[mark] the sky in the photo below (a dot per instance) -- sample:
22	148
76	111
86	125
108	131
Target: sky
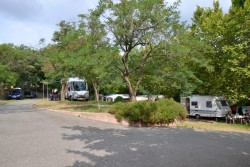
27	21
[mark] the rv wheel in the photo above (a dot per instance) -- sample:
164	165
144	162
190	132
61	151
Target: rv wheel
197	116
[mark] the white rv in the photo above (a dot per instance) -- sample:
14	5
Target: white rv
77	89
206	106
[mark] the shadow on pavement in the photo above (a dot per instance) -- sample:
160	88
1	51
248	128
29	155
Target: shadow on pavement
114	147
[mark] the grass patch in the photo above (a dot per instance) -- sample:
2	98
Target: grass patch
3	102
213	125
77	106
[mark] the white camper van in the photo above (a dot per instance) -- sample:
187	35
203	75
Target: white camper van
206	106
77	89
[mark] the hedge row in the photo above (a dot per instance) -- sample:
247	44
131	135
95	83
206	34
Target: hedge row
147	113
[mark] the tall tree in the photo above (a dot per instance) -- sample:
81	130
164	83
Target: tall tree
228	33
81	50
60	55
178	73
137	24
96	54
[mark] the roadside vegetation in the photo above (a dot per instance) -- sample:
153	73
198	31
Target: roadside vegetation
148	113
74	106
211	125
140	114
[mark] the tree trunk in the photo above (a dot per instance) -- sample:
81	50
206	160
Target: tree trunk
132	95
63	90
132	91
2	93
96	90
126	73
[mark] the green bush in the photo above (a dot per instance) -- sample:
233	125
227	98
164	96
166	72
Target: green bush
148	113
118	99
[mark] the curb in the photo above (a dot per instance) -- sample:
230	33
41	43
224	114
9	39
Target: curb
104	117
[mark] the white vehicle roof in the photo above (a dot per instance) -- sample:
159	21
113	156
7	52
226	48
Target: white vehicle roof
75	79
116	95
217	97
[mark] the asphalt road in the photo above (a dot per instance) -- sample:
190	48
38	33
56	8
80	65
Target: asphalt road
31	137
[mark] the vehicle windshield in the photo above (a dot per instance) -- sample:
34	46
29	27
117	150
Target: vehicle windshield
79	86
222	103
16	91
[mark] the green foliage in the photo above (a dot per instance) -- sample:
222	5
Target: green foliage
138	28
238	3
23	66
228	34
175	70
82	50
118	99
7	77
161	112
150	51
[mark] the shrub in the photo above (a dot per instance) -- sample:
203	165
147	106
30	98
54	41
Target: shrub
119	99
147	113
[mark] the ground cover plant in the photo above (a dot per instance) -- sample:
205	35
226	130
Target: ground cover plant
211	125
77	106
149	113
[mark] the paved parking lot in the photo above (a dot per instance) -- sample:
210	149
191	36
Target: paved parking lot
31	137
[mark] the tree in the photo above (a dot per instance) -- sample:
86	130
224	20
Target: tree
96	53
7	77
179	73
229	35
23	61
60	56
82	50
137	24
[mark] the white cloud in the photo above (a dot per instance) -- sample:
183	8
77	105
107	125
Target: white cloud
27	21
20	10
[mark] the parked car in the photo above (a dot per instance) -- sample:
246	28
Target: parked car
29	94
55	95
149	97
16	94
112	97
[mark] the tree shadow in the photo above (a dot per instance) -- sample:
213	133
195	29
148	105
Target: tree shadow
98	144
109	147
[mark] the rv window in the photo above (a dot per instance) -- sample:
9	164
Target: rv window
194	103
223	102
209	104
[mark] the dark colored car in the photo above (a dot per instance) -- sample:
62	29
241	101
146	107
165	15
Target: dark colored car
29	94
16	94
55	95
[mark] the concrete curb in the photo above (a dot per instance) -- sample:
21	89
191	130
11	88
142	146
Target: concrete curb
104	117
